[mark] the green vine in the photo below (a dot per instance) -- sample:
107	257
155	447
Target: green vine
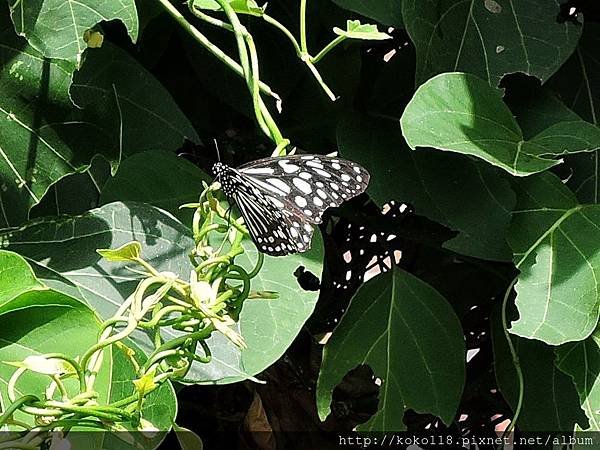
208	301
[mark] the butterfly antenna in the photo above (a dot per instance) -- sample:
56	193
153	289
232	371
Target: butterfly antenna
218	152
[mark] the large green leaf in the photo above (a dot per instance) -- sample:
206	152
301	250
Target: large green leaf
412	340
461	113
147	116
64	255
159	178
269	326
540	110
471	197
556	246
57	28
16	277
388	12
488	38
581	360
550	401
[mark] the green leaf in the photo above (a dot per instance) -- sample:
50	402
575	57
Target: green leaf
267	326
16	277
566	138
461	113
581	360
387	12
550	401
356	30
410	337
378	145
555	245
159	178
63	253
239	6
488	38
540	110
129	252
57	28
159	407
146	116
48	322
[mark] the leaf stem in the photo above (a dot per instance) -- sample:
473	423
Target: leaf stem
337	41
515	359
281	27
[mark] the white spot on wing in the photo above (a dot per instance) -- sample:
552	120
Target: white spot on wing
300	201
302	185
279	184
323	173
258	171
276	202
287	167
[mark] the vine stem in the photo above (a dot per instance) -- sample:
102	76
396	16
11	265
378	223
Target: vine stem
303	44
515	359
245	44
337	41
206	43
303	55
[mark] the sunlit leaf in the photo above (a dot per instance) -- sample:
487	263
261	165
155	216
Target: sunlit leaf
58	28
461	113
356	30
239	6
556	246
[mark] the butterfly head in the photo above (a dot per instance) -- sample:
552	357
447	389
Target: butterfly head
226	176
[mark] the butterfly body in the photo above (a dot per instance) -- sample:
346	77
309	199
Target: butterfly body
282	198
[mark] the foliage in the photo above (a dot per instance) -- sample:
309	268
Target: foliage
126	275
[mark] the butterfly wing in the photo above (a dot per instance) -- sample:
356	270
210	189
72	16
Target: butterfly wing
275	231
280	198
306	184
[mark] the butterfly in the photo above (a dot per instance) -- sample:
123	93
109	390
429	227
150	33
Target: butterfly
281	198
